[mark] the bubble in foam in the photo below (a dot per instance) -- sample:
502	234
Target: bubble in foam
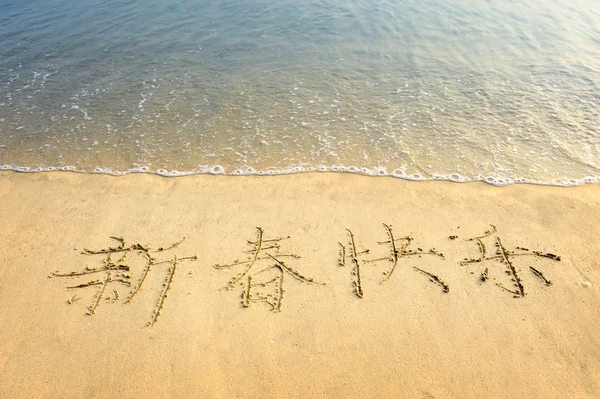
5	167
144	169
217	170
171	173
458	177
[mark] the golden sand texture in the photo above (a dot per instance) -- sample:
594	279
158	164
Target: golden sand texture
284	300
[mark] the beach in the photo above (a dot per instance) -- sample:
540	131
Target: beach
485	292
299	199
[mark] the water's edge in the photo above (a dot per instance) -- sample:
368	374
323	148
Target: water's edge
363	171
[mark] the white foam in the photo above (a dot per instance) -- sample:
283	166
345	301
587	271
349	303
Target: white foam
399	173
456	177
414	176
337	168
217	170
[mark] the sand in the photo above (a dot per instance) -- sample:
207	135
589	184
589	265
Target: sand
405	337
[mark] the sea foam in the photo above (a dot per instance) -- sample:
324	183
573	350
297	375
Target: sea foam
249	171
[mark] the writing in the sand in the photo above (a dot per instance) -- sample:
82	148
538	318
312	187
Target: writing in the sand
397	248
118	272
265	285
266	266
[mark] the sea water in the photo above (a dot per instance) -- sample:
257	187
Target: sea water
501	91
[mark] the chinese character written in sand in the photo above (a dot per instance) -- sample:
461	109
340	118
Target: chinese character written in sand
355	256
398	248
119	272
255	283
505	256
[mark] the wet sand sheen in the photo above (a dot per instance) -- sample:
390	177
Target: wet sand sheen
405	335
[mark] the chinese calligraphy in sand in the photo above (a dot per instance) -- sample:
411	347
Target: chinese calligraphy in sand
256	283
398	248
506	257
354	255
262	274
119	272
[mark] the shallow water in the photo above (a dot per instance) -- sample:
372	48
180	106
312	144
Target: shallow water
500	91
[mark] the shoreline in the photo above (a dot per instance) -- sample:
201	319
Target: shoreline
218	170
312	335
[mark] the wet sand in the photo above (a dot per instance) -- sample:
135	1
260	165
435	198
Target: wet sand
321	329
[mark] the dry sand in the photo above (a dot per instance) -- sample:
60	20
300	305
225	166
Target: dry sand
404	338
